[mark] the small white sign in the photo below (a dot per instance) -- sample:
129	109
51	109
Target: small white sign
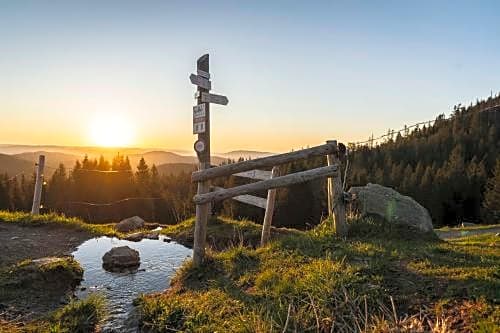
198	127
199	111
199	146
200	81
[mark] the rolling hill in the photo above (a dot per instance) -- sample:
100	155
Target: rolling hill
13	166
175	168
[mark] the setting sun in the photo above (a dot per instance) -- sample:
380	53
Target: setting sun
111	130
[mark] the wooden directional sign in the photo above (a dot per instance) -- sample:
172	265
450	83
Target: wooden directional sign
203	74
213	98
200	81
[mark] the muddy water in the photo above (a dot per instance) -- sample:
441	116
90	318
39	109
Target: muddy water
159	261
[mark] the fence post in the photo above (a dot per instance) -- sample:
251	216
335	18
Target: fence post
268	215
37	195
336	205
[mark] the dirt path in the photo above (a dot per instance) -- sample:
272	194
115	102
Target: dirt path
18	243
451	234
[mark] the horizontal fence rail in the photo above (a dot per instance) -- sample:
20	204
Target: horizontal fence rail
270	161
282	181
247	199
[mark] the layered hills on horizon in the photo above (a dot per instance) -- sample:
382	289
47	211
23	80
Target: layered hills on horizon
17	159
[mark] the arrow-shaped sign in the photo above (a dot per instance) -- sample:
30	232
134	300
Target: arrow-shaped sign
200	81
213	98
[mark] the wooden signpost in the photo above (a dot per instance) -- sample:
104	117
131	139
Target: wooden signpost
201	126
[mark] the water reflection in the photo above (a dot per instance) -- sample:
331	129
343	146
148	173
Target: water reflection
159	260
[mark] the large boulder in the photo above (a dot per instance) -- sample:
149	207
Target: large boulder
384	202
130	224
121	258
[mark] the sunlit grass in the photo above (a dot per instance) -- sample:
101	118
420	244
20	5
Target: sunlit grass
313	281
27	219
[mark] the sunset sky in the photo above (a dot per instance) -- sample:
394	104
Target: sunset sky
295	73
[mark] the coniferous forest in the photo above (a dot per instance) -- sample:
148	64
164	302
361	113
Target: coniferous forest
451	166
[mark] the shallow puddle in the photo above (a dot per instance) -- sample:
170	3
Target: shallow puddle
159	261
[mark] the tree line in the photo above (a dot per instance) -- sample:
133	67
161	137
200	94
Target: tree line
99	190
451	167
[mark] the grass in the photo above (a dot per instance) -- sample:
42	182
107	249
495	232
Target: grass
30	276
468	228
26	219
50	279
383	278
221	232
79	316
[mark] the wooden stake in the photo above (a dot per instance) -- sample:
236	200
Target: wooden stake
336	205
37	195
268	216
202	210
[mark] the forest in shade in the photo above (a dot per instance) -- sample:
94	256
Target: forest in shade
450	165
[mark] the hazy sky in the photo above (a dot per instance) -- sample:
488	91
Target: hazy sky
295	73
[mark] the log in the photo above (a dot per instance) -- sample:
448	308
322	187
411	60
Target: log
270	161
254	174
283	181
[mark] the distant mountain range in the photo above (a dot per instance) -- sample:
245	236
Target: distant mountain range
15	159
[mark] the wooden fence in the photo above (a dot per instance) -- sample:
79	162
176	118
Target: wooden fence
205	196
335	193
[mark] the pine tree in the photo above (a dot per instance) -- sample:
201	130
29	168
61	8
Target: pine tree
492	195
142	176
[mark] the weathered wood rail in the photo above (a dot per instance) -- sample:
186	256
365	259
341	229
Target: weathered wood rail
264	162
282	181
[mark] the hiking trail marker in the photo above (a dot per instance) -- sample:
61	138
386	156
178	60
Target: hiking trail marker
201	126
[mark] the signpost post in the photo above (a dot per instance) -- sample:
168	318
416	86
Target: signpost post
201	126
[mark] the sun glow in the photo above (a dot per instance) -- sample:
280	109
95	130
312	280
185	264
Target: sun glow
111	130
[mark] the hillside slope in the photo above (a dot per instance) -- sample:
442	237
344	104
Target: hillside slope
13	166
444	166
382	278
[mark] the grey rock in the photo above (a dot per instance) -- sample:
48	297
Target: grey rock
384	202
120	258
130	224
